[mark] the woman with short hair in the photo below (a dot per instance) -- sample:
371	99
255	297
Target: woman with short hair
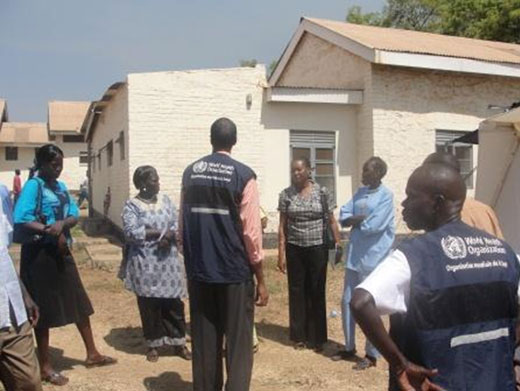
370	213
151	268
44	216
304	207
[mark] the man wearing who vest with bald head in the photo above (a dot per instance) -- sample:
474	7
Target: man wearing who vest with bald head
221	236
457	287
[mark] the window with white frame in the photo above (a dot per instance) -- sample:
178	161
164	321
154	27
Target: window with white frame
444	142
320	149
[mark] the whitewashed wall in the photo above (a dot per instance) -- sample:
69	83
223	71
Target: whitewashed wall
7	167
409	105
170	115
279	119
113	120
73	172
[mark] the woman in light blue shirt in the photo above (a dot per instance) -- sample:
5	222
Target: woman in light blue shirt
43	217
370	213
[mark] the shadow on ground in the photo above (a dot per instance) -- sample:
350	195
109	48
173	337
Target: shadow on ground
130	340
280	334
273	332
61	362
167	381
127	339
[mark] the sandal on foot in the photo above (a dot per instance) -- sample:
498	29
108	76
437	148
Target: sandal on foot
56	379
103	361
365	363
300	346
152	355
183	352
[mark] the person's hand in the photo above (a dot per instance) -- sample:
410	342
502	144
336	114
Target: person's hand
170	236
164	243
416	378
262	295
55	229
282	265
357	220
33	312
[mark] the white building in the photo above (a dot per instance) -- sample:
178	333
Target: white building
64	125
163	119
19	141
392	93
18	144
340	94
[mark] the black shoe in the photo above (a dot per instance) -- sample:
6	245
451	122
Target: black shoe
344	355
365	363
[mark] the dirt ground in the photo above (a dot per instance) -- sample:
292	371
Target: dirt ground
277	365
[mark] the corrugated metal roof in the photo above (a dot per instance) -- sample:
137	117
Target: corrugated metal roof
17	133
406	41
67	116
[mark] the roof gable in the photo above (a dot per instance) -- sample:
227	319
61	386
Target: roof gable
317	63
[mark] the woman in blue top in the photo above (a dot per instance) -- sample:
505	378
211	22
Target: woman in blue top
370	213
46	213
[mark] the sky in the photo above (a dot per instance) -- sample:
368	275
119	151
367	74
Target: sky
74	49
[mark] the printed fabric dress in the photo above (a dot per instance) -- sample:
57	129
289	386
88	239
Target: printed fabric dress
155	275
147	270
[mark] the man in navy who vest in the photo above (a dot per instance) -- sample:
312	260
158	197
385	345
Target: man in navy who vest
220	235
456	285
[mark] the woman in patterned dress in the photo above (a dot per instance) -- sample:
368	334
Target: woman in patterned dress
151	268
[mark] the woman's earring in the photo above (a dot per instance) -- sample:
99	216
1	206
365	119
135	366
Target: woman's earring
143	189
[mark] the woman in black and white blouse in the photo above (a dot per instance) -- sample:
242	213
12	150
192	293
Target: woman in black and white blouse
302	254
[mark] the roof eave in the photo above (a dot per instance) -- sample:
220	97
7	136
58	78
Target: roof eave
96	109
444	63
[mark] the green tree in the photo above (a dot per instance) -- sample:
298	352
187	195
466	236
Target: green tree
355	15
248	63
486	19
497	20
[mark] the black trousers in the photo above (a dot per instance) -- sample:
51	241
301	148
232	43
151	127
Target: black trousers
307	275
163	321
217	310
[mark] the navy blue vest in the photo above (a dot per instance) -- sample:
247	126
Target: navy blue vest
214	250
463	307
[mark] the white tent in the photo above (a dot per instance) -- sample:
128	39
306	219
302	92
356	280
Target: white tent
498	180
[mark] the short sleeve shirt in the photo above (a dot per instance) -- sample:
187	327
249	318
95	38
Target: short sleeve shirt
56	203
305	215
389	284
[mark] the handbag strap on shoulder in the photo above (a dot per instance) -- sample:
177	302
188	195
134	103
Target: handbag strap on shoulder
38	208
